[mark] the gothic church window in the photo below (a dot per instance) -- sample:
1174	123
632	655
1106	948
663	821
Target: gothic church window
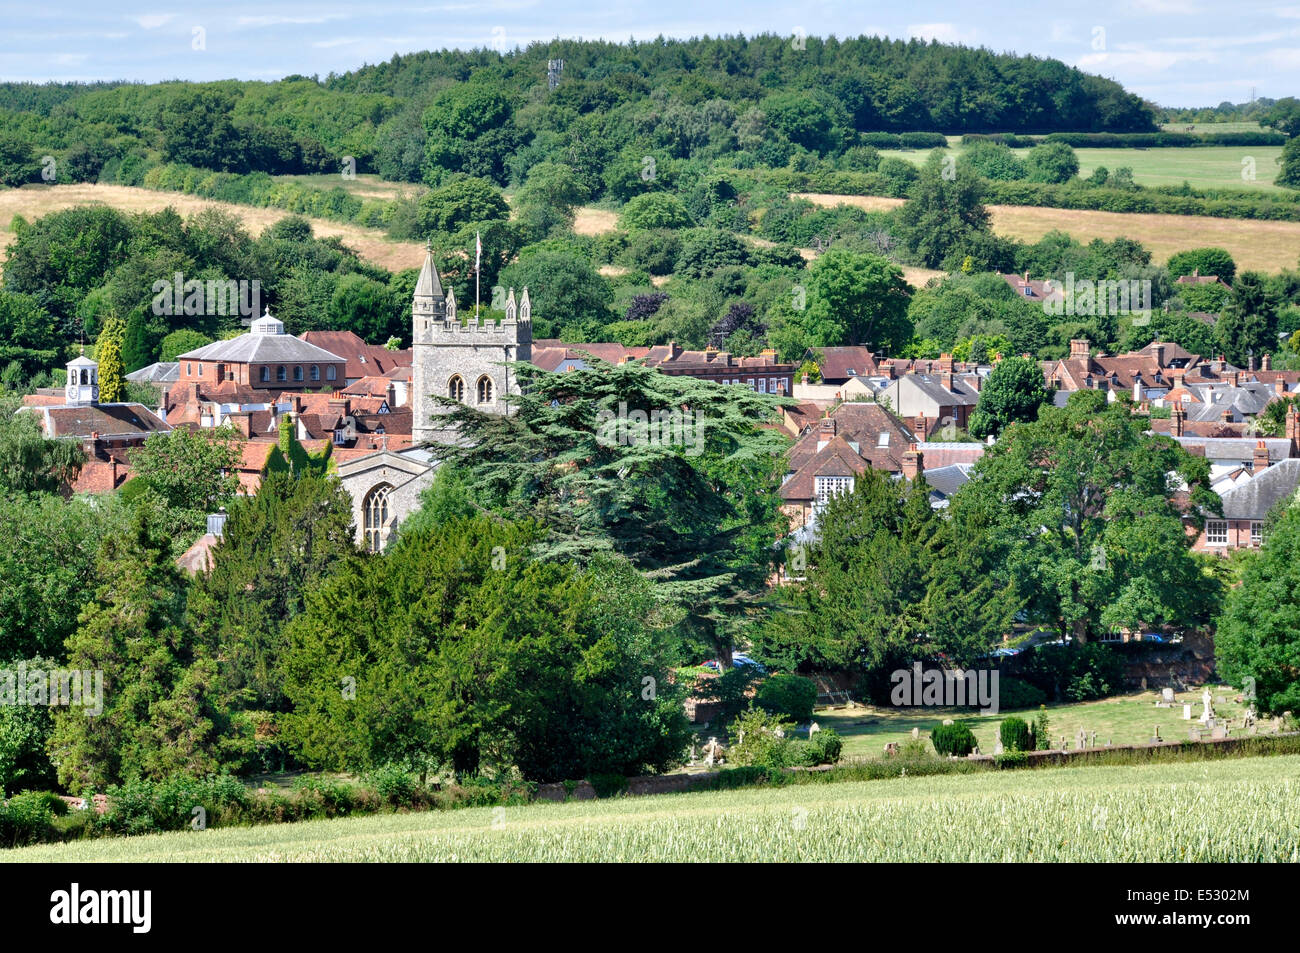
375	517
485	390
456	388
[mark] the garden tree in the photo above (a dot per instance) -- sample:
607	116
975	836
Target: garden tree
48	567
24	733
570	298
190	470
135	347
1013	392
654	210
736	329
366	307
1289	161
1081	519
1244	335
29	463
27	333
994	160
690	500
942	210
1257	634
276	547
1203	261
159	714
865	295
182	342
1052	162
878	587
458	647
461	200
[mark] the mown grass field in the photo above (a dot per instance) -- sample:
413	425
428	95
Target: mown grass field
35	201
1121	720
1254	245
1202	167
1233	810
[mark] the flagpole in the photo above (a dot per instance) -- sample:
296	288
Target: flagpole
478	270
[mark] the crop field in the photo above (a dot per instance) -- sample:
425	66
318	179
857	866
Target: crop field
1120	720
34	201
1255	245
1234	810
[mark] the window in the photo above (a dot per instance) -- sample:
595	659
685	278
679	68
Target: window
773	384
340	436
266	374
297	373
762	385
1256	533
485	390
315	372
883	439
375	516
1216	532
280	374
827	487
456	388
189	372
750	382
200	370
330	372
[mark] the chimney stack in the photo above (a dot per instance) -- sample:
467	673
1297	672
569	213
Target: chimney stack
922	430
1293	429
1260	462
913	463
1079	350
1176	419
1159	351
947	380
1266	362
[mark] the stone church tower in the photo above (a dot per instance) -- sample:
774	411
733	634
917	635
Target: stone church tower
470	363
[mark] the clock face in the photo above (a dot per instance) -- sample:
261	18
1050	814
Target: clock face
72	390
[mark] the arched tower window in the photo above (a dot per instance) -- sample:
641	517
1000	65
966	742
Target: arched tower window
375	517
456	388
485	390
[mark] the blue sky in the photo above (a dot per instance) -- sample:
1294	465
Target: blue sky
1175	52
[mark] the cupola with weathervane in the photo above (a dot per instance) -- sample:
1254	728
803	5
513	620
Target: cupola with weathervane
83	382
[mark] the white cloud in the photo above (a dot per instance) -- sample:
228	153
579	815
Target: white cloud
943	32
151	21
1143	60
1165	7
274	20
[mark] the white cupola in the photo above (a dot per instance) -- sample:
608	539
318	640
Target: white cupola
83	382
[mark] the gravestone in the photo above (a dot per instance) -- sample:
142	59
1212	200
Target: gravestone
1220	700
1081	740
947	721
692	761
1187	713
1155	739
1207	712
1219	733
916	733
813	729
1194	732
1167	695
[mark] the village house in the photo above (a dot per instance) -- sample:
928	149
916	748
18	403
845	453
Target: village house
362	360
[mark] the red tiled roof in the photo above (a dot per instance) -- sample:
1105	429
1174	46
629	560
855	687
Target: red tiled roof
837	458
363	360
838	364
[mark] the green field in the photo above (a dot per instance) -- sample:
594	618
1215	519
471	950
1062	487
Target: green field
1233	810
1203	167
1122	720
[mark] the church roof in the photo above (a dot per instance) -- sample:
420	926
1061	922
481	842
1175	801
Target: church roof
428	285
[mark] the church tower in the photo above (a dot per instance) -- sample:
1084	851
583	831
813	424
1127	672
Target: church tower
470	363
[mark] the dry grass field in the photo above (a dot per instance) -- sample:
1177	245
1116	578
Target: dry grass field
1257	245
34	201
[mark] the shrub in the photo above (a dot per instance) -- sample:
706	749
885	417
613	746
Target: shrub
955	739
394	784
758	738
27	819
923	140
608	785
1015	734
1017	693
1042	742
654	210
790	695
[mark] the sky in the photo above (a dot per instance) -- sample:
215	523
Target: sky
1173	52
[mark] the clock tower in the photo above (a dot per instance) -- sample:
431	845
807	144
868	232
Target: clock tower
83	382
